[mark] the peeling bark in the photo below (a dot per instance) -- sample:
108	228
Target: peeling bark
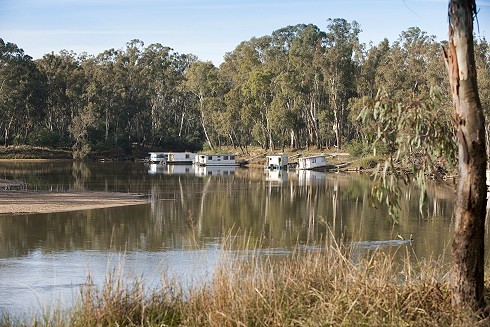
470	210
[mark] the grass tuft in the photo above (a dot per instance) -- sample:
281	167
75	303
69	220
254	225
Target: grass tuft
323	287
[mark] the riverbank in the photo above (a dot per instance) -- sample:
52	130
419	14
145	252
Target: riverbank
309	288
22	201
255	157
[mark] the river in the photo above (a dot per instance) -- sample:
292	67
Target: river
194	216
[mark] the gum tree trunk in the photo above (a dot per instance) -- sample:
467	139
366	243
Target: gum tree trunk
468	244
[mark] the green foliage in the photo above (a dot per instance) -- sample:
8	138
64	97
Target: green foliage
420	138
358	149
298	87
45	137
81	151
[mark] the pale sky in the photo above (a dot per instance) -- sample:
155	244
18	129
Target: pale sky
206	28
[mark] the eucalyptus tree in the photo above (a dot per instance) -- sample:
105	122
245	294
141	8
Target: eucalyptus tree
203	82
285	116
20	91
65	83
156	63
339	71
367	86
104	91
468	248
432	137
234	73
369	69
482	58
412	66
304	56
258	95
131	125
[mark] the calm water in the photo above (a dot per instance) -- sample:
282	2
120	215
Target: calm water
46	258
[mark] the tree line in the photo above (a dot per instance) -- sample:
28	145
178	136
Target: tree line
298	87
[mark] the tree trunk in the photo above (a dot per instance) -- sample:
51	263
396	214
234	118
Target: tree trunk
468	244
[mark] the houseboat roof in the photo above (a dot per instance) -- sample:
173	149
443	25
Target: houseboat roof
277	155
215	154
315	156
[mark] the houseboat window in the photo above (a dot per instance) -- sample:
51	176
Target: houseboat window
232	157
210	157
225	158
313	160
187	156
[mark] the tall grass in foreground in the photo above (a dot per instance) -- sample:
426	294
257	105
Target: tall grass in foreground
313	288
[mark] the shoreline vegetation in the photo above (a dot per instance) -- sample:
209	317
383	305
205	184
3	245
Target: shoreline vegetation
329	286
254	156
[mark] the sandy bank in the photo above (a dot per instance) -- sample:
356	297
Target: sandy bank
23	201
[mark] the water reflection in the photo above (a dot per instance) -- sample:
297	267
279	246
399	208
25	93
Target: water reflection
193	211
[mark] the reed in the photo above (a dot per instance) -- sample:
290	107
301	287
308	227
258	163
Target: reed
319	287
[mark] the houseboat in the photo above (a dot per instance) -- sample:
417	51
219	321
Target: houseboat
277	161
181	158
312	162
215	160
158	157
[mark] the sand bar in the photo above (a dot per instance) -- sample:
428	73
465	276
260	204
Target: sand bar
24	201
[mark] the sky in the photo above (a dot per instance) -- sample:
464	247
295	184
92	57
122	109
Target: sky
207	28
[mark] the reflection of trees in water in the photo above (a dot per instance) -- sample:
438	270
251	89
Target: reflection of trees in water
81	173
188	211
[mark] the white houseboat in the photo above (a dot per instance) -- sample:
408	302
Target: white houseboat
158	157
215	160
181	158
277	161
312	162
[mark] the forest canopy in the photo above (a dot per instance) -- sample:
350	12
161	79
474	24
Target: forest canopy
298	87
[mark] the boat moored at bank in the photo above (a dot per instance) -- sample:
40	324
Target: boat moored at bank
215	160
312	162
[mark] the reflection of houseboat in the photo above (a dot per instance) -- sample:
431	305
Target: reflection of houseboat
156	169
215	160
179	169
214	170
312	162
169	169
182	158
277	161
310	177
158	157
276	176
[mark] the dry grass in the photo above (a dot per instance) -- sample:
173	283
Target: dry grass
313	288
